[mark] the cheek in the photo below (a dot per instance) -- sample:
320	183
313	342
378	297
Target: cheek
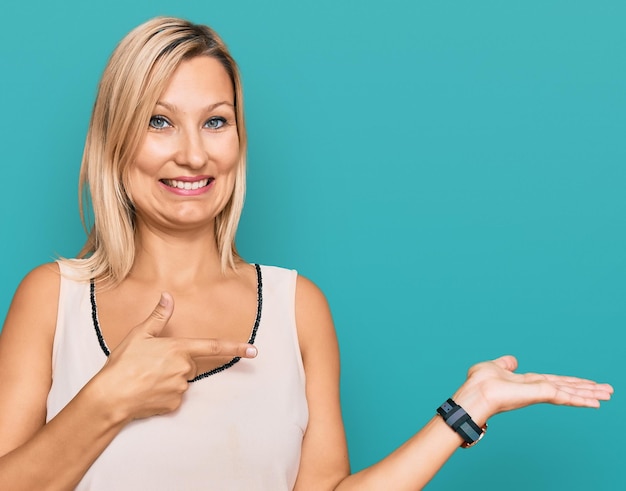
143	168
130	183
149	154
229	152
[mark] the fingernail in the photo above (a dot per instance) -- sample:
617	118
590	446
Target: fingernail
251	352
162	301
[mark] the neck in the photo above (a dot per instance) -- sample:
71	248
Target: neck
175	259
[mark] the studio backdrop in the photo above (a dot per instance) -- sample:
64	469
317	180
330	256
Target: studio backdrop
451	174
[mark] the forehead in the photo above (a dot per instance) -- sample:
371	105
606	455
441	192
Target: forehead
202	79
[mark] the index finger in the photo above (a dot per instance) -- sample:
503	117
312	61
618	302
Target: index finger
202	348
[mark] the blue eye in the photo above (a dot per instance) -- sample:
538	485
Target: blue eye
215	123
158	122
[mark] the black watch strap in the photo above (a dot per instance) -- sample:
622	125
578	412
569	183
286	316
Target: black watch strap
461	422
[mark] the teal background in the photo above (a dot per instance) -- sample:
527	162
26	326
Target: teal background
450	173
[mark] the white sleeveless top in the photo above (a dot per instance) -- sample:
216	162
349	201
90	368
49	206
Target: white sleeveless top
238	429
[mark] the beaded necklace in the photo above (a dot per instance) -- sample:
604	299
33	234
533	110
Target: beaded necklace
221	368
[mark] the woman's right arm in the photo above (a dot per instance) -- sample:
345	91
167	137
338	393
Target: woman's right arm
36	455
144	376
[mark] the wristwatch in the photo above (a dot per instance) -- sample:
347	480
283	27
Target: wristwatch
461	422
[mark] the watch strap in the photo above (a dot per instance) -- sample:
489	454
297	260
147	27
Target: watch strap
457	418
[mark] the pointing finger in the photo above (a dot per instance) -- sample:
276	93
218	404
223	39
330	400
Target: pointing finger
198	348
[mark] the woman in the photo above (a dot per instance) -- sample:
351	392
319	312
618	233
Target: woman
159	359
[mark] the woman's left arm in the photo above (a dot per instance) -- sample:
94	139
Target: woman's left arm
491	387
324	462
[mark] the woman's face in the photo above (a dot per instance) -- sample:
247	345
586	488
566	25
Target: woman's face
184	172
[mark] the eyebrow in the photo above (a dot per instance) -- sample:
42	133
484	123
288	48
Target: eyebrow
209	108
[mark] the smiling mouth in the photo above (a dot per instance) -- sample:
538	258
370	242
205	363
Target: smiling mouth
173	183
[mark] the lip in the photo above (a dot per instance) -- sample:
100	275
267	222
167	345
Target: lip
175	185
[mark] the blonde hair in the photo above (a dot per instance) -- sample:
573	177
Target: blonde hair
134	78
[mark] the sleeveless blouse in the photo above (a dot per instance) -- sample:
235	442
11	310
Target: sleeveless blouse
238	429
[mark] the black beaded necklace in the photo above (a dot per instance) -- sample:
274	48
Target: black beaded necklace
221	368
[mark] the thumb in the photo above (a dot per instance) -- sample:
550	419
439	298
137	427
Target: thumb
508	362
160	316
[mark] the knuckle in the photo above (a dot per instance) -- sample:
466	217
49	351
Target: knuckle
158	315
182	386
188	369
183	366
176	345
214	347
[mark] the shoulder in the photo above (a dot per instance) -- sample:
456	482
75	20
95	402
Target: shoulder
28	331
42	282
313	318
309	297
276	280
34	304
307	292
312	312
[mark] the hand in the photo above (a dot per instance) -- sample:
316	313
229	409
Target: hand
148	375
492	387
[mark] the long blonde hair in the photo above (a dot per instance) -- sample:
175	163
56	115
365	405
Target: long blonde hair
134	78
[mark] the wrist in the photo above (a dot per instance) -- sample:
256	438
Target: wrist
105	402
471	398
462	423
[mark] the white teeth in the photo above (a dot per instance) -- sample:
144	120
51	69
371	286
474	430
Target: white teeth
173	183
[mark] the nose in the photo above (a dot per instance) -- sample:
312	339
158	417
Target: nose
192	151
